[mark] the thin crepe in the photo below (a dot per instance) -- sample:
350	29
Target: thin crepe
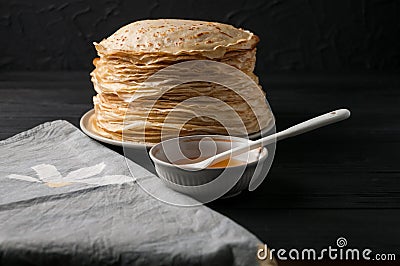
132	104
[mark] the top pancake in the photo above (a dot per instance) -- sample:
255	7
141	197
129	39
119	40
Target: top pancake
177	36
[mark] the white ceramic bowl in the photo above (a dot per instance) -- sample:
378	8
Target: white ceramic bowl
208	182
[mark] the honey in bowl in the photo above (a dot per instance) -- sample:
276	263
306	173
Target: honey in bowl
229	162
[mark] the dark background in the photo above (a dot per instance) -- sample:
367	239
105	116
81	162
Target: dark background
308	36
314	57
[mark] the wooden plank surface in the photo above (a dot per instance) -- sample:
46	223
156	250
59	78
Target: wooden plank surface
342	180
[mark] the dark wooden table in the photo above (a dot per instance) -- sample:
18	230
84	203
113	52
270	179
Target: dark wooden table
339	181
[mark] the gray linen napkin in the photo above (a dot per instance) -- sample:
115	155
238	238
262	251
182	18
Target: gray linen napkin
67	200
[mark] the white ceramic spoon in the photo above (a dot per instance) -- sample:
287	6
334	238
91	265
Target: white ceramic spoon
317	122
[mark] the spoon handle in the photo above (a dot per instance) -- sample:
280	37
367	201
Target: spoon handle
306	126
314	123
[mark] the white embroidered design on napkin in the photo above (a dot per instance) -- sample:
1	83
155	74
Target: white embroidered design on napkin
49	175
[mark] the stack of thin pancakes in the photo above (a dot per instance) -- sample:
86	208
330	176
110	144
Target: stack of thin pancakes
146	91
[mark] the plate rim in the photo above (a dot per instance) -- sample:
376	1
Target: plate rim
88	114
84	121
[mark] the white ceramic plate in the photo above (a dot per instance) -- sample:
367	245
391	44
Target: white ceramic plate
86	125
